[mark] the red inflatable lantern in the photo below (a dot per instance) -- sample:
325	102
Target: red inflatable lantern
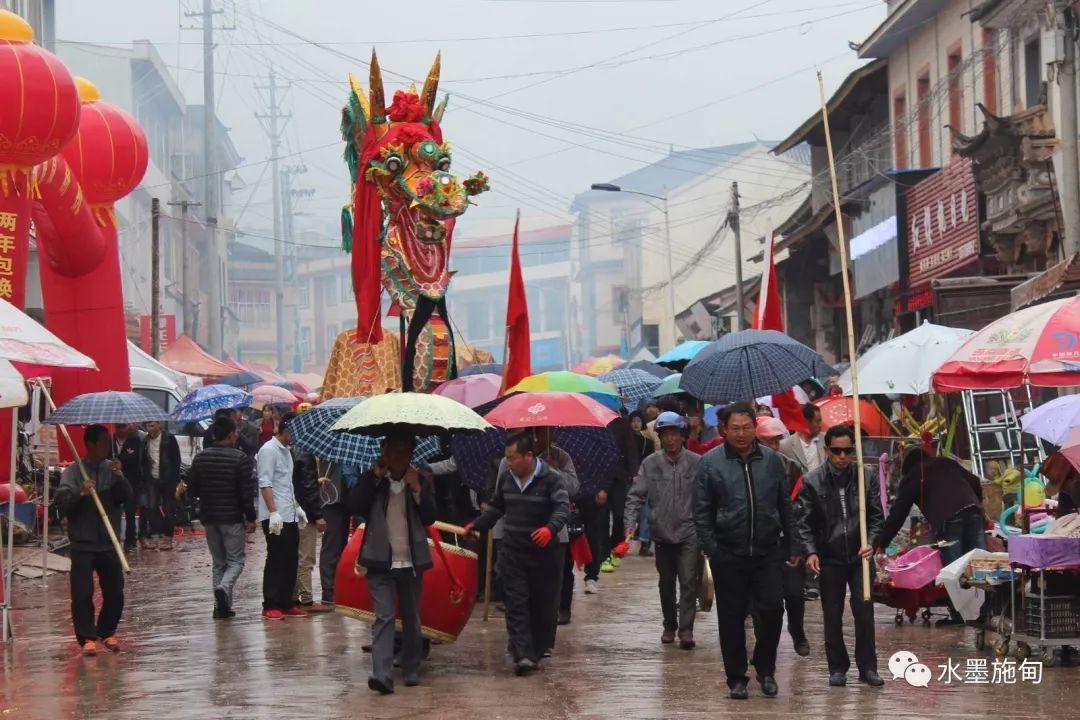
39	113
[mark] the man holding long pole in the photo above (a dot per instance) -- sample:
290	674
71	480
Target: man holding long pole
91	543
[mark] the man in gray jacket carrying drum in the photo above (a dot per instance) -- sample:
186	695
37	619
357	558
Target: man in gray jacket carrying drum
666	481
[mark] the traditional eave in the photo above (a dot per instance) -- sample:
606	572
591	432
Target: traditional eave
908	17
1063	276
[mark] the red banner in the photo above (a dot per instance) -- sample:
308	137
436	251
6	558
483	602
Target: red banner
943	223
14	241
167	331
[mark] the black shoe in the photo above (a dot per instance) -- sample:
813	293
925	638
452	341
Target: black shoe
645	550
768	686
739	691
810	594
802	648
524	666
221	602
219	615
380	687
412	680
564	617
837	679
948	621
871	678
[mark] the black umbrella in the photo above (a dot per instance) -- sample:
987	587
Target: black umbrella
241	379
649	367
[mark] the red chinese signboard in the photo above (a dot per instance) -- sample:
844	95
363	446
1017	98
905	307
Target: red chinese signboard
14	240
167	331
942	223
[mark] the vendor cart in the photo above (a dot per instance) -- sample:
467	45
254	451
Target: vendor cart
909	603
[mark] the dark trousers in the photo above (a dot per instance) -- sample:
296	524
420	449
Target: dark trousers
737	581
794	601
111	579
531	593
158	504
968	530
390	592
279	572
835	580
616	507
566	585
334	540
677	563
131	526
596	520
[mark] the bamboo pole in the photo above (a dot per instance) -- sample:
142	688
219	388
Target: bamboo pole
842	242
86	480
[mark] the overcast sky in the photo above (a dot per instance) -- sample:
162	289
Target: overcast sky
518	72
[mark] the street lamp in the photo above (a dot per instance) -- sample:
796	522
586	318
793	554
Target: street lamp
610	187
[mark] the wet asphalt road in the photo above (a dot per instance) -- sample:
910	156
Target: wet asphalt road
178	663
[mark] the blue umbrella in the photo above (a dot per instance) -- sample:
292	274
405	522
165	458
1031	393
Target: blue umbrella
634	385
311	432
493	368
203	402
681	354
111	406
750	364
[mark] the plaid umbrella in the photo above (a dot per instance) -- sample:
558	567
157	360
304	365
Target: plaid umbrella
649	367
634	385
671	385
205	401
111	406
750	364
311	432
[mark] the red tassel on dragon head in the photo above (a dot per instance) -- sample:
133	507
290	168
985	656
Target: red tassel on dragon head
404	204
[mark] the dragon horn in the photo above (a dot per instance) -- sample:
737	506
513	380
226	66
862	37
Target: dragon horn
378	101
431	86
437	115
361	97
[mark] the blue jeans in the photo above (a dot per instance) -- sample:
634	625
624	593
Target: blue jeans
967	529
643	523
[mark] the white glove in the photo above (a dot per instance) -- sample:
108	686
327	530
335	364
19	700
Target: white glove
276	523
301	517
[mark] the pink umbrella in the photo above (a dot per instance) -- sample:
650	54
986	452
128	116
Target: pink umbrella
1039	345
550	409
271	395
472	390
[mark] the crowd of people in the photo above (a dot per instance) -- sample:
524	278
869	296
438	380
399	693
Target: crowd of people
772	516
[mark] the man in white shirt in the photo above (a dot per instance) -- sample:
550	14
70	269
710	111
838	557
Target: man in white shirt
806	448
281	519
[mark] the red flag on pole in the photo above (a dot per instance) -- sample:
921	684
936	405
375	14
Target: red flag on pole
769	316
517	364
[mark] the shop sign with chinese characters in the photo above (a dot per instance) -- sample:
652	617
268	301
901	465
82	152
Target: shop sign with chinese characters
943	223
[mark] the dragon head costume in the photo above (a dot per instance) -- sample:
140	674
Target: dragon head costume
405	200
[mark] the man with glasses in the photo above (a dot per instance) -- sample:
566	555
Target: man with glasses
827	528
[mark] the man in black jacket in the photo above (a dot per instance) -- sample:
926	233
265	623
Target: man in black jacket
743	519
127	448
397	507
160	465
306	487
91	547
222	481
532	500
827	529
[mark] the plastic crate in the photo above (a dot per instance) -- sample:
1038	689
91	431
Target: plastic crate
1061	613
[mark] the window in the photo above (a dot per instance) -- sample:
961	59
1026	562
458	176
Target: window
650	335
478	320
303	294
1032	71
990	65
922	96
331	334
555	307
252	305
900	129
956	93
346	289
303	347
326	292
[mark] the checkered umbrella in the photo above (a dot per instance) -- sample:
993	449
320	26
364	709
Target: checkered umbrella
111	406
751	364
205	401
311	432
634	385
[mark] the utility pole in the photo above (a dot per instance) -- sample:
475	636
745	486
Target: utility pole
1070	165
274	130
733	221
155	278
289	193
185	275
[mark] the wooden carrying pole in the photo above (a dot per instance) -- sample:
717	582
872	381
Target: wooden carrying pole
86	479
842	242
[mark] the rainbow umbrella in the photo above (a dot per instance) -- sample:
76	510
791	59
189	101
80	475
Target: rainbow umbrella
595	367
566	381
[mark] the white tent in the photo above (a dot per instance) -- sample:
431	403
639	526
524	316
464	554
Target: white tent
138	358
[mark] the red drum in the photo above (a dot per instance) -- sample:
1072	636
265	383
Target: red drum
441	619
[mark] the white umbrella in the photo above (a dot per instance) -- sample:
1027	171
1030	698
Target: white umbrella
24	339
904	365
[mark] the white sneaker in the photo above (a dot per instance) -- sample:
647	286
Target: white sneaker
591	587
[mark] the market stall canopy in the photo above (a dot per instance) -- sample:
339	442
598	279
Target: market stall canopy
268	373
1039	345
185	356
905	364
312	381
137	358
12	386
25	340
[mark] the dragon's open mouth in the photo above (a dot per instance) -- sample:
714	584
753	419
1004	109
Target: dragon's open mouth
430	231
